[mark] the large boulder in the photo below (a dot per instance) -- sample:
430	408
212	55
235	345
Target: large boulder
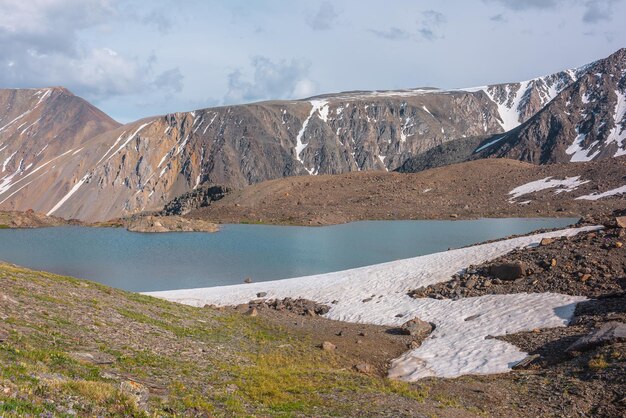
508	271
609	333
417	328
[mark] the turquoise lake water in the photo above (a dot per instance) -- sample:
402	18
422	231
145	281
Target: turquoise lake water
150	262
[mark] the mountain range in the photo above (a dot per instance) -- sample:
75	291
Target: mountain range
62	156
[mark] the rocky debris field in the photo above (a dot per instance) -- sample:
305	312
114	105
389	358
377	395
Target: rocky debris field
173	223
476	189
590	264
586	359
298	306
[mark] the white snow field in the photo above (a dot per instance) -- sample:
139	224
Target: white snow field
596	196
457	346
567	185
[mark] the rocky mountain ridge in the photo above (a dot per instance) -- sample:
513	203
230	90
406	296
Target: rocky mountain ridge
121	170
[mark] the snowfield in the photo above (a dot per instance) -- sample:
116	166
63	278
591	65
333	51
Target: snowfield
458	345
567	185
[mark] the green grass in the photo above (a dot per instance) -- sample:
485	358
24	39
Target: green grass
194	361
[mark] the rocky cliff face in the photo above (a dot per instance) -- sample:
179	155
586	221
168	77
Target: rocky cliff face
109	171
586	121
39	126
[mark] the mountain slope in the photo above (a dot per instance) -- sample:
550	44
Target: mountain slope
586	121
145	164
37	128
469	190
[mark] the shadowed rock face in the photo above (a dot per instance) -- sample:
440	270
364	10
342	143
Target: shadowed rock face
99	170
586	121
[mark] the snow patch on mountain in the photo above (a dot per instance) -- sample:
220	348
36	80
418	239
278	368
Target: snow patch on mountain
618	133
490	143
69	194
567	185
319	107
596	196
578	152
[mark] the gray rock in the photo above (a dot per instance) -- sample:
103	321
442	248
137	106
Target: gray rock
508	271
261	294
417	328
525	362
609	333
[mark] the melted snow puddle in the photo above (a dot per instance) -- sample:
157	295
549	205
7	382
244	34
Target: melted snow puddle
456	347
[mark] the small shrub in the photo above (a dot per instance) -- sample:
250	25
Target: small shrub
598	363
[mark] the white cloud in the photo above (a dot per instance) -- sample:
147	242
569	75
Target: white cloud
40	45
598	10
323	18
392	34
270	80
429	24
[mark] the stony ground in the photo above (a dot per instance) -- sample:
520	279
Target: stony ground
30	219
477	189
587	383
75	347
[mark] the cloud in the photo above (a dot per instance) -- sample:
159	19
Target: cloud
526	4
324	18
171	81
598	11
429	24
158	19
595	11
270	80
391	34
500	18
40	45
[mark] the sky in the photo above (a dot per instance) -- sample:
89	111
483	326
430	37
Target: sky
141	58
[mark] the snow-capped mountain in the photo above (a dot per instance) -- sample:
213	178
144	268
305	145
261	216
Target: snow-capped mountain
585	121
94	169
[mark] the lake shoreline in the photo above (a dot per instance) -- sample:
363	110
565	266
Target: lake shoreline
151	262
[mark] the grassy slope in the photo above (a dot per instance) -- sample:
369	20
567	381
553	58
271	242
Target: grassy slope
165	359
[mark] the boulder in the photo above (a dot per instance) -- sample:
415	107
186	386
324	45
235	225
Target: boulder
525	362
609	333
328	346
508	271
417	328
620	221
363	368
261	294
